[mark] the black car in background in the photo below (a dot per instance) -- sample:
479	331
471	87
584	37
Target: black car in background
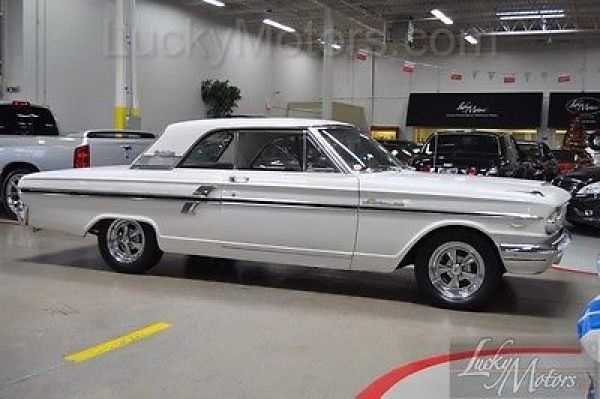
473	153
537	161
403	150
584	186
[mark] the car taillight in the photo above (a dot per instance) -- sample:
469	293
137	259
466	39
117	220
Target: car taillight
472	171
81	157
424	168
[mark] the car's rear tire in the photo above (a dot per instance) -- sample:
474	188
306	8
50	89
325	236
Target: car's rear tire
457	270
128	246
10	197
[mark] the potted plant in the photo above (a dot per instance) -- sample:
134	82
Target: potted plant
220	97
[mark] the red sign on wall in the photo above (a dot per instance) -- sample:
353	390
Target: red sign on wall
510	78
457	76
564	78
409	67
362	55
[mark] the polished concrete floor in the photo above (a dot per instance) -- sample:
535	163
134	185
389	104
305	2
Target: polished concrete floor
240	330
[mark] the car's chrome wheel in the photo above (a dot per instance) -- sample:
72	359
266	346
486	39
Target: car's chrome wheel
456	270
12	195
126	241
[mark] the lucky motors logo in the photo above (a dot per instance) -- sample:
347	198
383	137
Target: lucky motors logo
467	107
506	374
584	106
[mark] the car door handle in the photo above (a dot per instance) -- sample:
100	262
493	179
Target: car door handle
238	179
127	147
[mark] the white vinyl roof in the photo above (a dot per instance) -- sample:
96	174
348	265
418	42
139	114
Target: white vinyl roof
179	137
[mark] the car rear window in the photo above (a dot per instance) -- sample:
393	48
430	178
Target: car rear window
26	120
481	144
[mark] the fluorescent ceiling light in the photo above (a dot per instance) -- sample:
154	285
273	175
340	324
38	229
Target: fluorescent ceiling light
277	25
537	32
531	12
533	16
216	3
471	39
441	16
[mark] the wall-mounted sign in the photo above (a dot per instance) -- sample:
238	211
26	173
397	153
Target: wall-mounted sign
457	76
510	78
564	78
475	110
566	106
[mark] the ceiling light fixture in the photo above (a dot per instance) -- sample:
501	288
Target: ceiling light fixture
278	25
215	3
471	39
441	16
531	12
533	16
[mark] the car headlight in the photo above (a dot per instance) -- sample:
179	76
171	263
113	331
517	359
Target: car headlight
554	221
592	189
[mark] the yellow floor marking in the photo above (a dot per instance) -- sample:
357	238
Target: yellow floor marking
108	346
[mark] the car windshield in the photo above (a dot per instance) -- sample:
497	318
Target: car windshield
360	152
157	160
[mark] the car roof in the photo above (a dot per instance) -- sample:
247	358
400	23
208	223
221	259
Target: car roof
5	102
249	123
179	137
481	132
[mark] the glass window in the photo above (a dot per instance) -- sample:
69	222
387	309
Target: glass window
359	151
26	120
284	151
212	152
467	143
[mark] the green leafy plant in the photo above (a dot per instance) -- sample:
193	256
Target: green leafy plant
220	97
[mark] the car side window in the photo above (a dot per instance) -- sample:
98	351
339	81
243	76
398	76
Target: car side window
282	151
214	151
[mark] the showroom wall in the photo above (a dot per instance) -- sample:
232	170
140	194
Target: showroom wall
178	48
392	86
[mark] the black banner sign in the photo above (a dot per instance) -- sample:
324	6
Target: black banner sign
476	110
566	106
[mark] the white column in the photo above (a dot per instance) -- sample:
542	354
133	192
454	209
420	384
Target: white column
127	113
33	84
327	82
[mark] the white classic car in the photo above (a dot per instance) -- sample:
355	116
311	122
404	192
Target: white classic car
313	193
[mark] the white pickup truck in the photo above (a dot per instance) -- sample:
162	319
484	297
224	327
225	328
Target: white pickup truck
30	142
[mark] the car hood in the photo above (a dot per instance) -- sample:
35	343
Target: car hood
459	192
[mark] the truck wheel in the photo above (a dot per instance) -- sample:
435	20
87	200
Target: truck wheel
457	270
11	198
128	246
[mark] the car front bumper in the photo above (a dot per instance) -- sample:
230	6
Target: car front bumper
534	258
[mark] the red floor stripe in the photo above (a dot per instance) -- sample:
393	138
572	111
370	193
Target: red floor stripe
383	384
573	270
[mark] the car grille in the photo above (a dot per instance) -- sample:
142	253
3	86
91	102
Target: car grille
570	185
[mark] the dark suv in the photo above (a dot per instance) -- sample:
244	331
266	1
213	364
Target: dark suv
472	153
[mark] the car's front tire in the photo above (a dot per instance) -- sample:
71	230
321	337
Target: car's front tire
458	270
128	246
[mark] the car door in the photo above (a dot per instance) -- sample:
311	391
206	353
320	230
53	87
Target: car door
192	224
286	202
